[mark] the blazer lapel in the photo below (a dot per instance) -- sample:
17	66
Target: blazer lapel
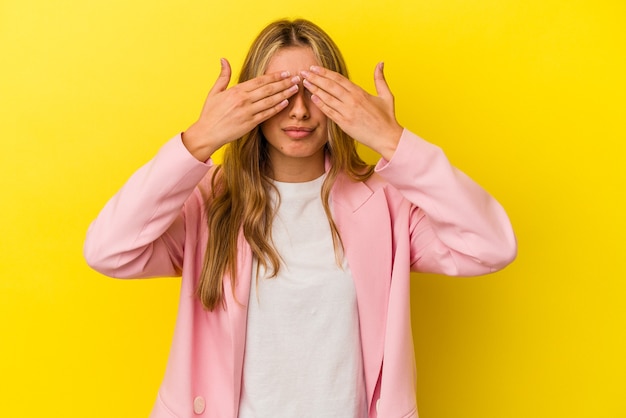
362	218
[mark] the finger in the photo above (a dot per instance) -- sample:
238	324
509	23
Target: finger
273	88
265	79
327	102
329	111
334	76
382	88
267	113
330	93
273	100
223	79
329	81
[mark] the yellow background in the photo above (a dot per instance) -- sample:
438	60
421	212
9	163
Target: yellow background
526	96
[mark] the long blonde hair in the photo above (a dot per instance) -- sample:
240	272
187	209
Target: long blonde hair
240	187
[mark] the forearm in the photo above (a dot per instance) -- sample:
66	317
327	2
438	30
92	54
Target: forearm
463	216
140	231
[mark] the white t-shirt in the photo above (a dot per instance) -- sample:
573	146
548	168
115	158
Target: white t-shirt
303	350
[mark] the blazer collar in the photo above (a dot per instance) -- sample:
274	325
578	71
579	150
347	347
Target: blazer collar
348	193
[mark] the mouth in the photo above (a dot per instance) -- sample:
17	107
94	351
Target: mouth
298	132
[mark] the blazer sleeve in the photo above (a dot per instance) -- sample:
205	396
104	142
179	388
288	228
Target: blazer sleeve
140	232
456	227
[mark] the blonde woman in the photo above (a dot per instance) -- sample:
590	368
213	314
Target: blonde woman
294	254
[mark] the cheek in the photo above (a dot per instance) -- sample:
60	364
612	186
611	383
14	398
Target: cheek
270	123
321	117
315	112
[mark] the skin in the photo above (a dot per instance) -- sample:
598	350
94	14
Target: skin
229	113
298	133
296	92
369	119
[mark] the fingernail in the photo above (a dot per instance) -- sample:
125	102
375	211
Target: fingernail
293	88
295	80
285	74
315	99
307	83
305	74
315	68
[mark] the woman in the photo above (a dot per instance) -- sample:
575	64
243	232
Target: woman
294	254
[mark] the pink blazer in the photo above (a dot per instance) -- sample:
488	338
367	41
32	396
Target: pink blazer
417	212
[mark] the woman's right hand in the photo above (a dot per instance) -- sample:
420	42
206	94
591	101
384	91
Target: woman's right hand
230	113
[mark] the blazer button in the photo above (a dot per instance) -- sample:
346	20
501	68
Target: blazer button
378	405
198	405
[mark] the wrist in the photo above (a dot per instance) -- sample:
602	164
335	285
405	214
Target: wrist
390	144
197	145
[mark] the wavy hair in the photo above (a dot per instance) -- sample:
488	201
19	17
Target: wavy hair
239	198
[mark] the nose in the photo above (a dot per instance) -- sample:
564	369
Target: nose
298	106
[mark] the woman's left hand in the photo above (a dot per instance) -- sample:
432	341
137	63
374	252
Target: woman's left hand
369	119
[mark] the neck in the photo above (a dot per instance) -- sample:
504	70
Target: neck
297	170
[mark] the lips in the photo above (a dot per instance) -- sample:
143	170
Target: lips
298	132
